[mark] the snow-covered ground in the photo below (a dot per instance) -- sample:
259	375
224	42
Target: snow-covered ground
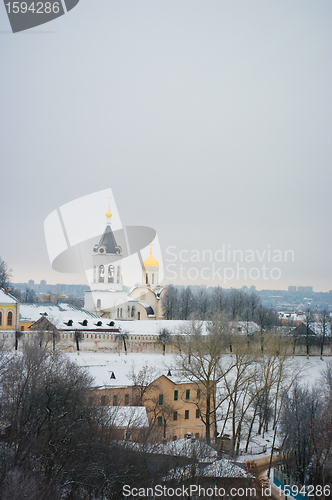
100	365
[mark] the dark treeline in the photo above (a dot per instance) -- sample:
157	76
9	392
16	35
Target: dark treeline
306	431
206	304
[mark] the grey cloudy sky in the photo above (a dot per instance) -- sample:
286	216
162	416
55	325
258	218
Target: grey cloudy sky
210	120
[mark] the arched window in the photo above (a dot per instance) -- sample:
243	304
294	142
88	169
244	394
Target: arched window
98	304
118	274
121	312
147	279
132	311
153	278
10	319
118	312
101	274
138	315
0	318
111	274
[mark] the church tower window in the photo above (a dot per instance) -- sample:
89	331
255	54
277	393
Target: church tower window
153	278
147	279
111	274
98	303
101	274
118	274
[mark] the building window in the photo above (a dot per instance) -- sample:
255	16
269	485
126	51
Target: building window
197	435
121	312
98	304
0	318
146	279
175	415
188	394
160	421
101	274
22	328
103	400
198	413
175	438
91	401
128	434
186	414
198	394
153	278
138	315
111	274
132	311
10	319
115	400
127	399
176	395
118	274
161	399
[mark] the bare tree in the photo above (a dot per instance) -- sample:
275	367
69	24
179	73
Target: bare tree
164	338
325	328
169	302
186	303
198	360
218	301
122	337
5	274
309	318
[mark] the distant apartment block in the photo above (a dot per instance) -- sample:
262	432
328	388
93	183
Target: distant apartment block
305	289
302	289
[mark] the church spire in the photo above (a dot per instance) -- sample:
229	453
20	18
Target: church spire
109	213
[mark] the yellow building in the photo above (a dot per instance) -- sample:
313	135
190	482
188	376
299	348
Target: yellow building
173	408
9	311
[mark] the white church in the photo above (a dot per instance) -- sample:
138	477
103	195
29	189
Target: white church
108	296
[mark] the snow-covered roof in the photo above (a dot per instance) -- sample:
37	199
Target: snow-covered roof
101	364
224	468
246	327
189	448
153	327
125	417
61	314
7	298
148	308
219	468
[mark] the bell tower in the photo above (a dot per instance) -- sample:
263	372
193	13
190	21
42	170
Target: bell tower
107	259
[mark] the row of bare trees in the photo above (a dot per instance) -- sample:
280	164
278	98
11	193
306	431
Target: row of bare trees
206	304
306	428
242	392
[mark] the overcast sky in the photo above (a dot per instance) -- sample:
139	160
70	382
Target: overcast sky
210	120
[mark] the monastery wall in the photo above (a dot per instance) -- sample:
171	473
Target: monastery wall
135	343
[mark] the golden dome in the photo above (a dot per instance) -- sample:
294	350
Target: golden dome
150	261
109	213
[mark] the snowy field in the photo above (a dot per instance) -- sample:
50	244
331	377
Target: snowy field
101	365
